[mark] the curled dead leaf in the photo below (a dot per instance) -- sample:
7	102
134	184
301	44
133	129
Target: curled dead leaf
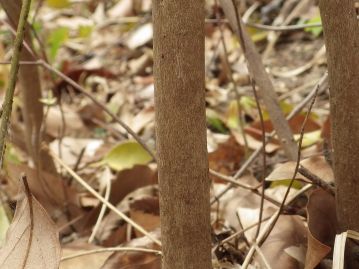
322	226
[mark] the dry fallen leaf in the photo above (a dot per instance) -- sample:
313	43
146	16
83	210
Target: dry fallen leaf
227	157
285	247
48	190
146	212
136	260
317	165
322	226
91	261
31	244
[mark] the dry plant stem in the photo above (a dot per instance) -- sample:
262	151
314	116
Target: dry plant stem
264	173
244	186
295	170
114	249
103	209
236	234
261	255
93	99
7	106
248	13
280	28
263	236
268	226
234	88
98	103
322	86
103	200
29	199
298	89
259	74
298	9
316	180
13	31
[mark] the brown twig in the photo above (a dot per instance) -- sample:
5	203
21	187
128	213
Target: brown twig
31	213
295	170
244	186
234	85
84	184
316	180
264	173
98	103
113	249
320	86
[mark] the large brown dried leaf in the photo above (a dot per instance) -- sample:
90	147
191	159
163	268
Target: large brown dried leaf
226	158
135	260
146	212
285	246
126	182
317	165
322	225
113	230
44	251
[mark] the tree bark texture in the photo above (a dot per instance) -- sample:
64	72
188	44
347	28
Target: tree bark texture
181	133
341	32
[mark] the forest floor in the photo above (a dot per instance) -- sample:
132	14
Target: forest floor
104	48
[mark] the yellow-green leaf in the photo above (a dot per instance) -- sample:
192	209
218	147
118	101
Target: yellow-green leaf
285	182
58	3
126	155
309	138
233	115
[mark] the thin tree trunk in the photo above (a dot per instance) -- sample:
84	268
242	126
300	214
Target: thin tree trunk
181	133
341	32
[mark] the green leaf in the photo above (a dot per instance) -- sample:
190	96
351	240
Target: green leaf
233	115
126	155
214	122
85	31
285	182
247	104
56	39
316	31
12	155
284	106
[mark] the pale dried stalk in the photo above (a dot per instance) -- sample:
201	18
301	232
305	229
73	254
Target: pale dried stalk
103	200
114	249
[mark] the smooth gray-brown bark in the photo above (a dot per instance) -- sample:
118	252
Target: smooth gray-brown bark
181	133
341	32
